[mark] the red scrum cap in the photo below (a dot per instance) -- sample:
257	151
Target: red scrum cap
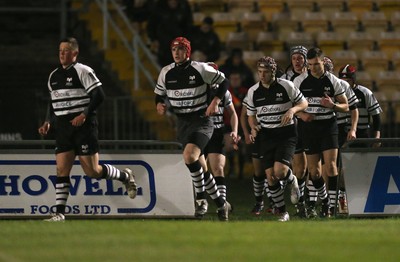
182	42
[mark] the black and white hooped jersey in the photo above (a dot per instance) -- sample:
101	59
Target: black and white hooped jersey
70	87
186	85
314	89
367	106
218	119
270	104
343	118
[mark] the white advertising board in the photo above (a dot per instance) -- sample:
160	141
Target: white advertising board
372	182
164	187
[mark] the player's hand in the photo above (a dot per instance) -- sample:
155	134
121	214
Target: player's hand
254	132
161	108
79	120
326	101
252	139
235	139
44	129
306	117
351	135
287	117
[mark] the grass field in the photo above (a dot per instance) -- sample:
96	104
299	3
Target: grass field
243	238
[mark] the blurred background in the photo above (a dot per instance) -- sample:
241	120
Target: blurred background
123	41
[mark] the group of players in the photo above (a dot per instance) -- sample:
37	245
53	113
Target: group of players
296	124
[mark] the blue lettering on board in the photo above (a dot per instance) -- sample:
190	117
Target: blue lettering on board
378	197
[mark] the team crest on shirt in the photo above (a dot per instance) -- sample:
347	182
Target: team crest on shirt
279	97
192	79
69	81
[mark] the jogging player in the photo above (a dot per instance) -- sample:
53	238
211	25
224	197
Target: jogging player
186	84
75	94
347	125
325	96
298	65
368	106
272	104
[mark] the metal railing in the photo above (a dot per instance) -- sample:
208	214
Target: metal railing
26	146
134	47
367	145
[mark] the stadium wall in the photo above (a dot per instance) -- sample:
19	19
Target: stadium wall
372	179
164	187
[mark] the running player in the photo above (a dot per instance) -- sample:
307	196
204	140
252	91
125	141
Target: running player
214	150
272	104
260	185
75	94
347	125
368	106
185	83
298	65
325	95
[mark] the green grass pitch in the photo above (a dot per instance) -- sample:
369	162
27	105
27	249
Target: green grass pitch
243	238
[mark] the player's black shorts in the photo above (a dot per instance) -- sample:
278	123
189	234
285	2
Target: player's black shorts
83	140
277	146
216	143
320	135
299	144
342	137
194	129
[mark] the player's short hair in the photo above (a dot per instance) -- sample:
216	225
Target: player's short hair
315	52
72	42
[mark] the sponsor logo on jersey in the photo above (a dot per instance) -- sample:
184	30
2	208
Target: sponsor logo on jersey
267	109
178	93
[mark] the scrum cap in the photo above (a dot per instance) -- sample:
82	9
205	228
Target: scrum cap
299	49
182	42
267	62
348	71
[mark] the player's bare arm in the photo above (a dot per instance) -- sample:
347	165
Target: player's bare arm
288	116
212	109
